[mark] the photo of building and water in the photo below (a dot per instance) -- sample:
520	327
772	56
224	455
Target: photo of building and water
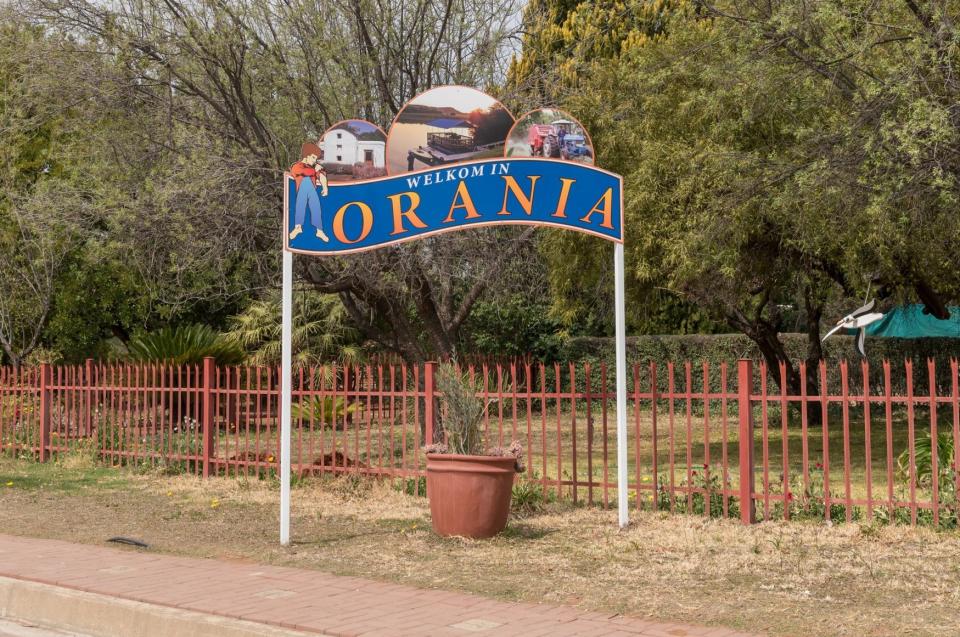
447	125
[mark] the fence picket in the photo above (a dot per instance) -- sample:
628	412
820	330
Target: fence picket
845	406
824	435
867	436
765	439
911	442
955	402
784	441
934	460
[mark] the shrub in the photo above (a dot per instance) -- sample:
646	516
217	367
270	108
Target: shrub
709	481
728	348
322	410
529	495
808	502
923	458
463	422
412	486
183	345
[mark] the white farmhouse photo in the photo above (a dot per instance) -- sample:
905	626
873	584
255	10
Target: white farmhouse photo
353	149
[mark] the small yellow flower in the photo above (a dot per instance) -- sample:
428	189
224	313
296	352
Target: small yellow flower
169	493
10	484
214	503
270	458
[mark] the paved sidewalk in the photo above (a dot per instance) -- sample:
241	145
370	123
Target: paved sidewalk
306	600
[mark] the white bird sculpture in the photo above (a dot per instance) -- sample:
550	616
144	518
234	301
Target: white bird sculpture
858	319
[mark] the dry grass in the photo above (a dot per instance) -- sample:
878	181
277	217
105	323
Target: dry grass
781	578
570	446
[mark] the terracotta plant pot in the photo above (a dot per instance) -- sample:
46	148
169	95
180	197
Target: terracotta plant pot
469	495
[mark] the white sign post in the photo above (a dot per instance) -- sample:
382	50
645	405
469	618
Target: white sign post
621	336
286	392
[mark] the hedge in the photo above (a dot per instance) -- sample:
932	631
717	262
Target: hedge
716	349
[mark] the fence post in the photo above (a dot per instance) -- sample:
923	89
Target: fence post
45	382
428	399
88	383
745	409
209	378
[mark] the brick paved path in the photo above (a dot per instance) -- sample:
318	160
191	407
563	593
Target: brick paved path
307	600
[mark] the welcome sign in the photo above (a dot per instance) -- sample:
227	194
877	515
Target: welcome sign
380	212
454	158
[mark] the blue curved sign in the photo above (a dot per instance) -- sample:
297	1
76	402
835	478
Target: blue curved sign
357	216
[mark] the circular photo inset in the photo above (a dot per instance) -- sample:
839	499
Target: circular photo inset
353	150
550	133
447	125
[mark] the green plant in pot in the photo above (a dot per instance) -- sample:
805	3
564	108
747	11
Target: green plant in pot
468	484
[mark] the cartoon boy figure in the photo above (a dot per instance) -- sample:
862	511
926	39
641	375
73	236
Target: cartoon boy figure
308	174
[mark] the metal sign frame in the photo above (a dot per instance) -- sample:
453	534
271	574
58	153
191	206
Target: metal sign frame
287	321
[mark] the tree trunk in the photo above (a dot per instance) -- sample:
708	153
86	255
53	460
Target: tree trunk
766	336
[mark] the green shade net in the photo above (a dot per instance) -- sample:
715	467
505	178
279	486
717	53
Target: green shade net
909	321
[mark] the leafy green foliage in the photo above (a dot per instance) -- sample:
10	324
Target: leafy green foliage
529	495
564	37
44	214
184	344
771	171
923	458
514	327
807	501
412	486
96	299
322	410
709	501
321	330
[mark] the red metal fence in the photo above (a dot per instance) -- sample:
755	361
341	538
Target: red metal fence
862	450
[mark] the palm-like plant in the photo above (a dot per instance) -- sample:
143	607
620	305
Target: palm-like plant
325	410
923	458
321	330
184	345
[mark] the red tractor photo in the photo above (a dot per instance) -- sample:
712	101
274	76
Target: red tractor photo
543	140
557	139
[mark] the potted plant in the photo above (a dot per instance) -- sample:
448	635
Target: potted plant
469	485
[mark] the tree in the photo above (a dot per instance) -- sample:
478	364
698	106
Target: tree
887	154
36	249
565	42
208	98
779	154
44	211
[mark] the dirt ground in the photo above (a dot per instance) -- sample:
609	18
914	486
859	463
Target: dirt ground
796	578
